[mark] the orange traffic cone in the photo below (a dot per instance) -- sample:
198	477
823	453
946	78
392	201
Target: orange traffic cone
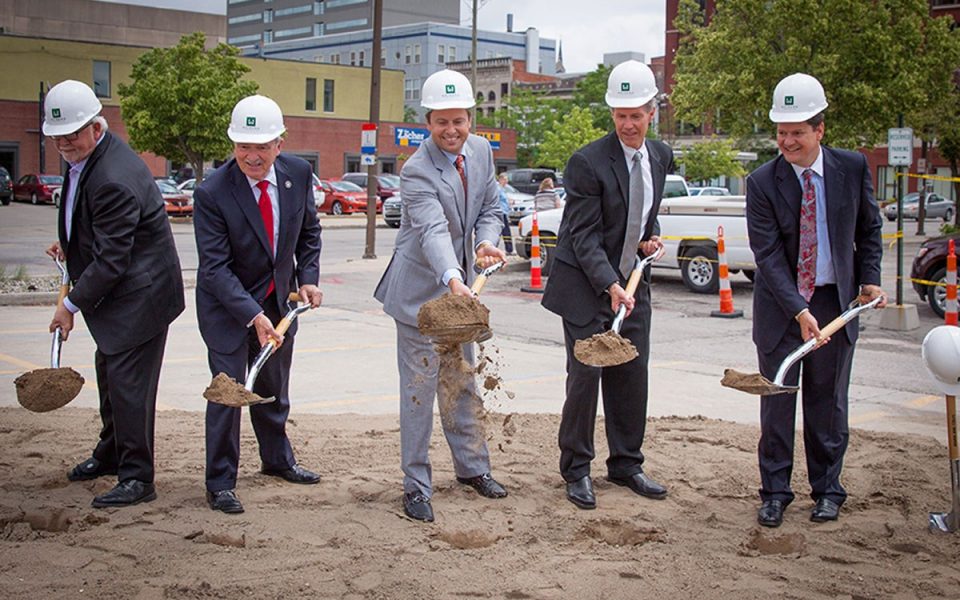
950	308
726	294
536	283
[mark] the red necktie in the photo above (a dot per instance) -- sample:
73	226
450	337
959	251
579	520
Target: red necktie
266	213
463	174
807	263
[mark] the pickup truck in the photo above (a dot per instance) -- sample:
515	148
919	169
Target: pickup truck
688	228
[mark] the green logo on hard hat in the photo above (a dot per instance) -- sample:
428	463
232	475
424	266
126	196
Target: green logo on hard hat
451	89
56	113
625	86
251	121
788	100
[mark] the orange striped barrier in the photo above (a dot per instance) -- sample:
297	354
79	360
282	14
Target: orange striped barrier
536	282
726	294
950	307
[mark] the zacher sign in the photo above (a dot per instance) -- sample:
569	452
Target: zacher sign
410	136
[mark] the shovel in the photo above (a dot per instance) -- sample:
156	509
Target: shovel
950	522
756	383
224	390
43	390
450	320
609	349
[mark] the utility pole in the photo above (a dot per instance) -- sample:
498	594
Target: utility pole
922	199
41	141
372	182
473	68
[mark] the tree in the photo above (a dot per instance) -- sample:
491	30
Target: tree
575	129
591	92
410	115
179	101
709	160
532	115
875	60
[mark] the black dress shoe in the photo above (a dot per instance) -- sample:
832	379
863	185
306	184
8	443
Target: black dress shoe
126	493
417	506
825	510
225	501
580	492
90	469
295	474
485	485
641	484
771	513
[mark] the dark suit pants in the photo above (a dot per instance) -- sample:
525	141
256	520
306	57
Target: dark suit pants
269	420
127	382
624	397
825	379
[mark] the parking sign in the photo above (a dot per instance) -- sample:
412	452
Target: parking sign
900	146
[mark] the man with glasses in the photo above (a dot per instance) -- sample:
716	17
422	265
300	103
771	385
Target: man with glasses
125	273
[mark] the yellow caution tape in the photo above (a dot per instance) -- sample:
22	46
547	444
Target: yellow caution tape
926	176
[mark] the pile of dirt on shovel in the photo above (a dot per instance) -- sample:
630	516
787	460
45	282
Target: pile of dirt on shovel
449	313
225	390
43	390
604	349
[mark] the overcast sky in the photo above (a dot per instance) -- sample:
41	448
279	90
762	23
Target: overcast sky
586	29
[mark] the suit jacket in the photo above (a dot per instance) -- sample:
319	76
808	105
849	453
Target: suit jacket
236	263
774	196
587	257
121	258
438	229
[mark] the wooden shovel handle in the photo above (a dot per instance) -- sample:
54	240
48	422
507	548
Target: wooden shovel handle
64	289
478	283
952	427
634	281
294	297
832	327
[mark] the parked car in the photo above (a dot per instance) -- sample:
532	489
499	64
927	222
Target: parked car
521	204
709	191
391	211
57	193
528	180
6	186
187	187
937	206
177	204
344	198
387	183
36	188
930	265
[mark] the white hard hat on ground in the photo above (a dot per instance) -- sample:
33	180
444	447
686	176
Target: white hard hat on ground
797	98
447	89
631	84
256	120
941	357
69	106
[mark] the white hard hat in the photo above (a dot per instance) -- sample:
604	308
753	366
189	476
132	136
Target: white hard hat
941	356
631	84
797	98
69	105
256	120
447	89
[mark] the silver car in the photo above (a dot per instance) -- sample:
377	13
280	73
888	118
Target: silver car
938	207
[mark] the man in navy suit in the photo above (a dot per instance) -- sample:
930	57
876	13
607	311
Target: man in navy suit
814	229
258	240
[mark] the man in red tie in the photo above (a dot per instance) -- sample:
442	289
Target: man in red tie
258	240
814	228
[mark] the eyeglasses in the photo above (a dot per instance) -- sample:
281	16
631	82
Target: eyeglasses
70	137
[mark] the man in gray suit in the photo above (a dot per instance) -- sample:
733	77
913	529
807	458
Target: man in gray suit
450	215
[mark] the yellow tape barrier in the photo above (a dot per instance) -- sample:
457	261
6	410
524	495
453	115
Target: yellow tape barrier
925	176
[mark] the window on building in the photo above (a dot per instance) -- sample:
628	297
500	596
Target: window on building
248	18
244	40
336	3
504	89
328	95
318	8
383	60
353	59
294	32
452	54
335	58
101	78
293	10
416	89
492	96
267	36
268	16
310	102
441	53
317	29
416	54
351	24
318	58
407	54
363	58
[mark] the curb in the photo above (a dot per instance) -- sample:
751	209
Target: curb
29	299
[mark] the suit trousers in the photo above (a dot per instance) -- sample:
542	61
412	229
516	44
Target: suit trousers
269	420
624	397
460	411
825	379
127	382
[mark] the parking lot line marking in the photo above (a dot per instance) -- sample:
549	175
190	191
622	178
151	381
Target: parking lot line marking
18	363
866	417
922	401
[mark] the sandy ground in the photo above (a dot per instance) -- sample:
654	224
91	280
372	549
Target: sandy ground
347	537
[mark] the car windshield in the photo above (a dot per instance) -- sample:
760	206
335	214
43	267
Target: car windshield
674	189
166	188
510	189
390	180
345	186
51	179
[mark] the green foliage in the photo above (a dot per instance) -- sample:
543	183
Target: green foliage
875	60
948	228
179	101
591	94
575	129
409	115
532	115
708	160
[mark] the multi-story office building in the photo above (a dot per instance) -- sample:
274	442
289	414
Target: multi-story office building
252	22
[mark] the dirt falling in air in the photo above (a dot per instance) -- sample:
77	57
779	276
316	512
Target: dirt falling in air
43	390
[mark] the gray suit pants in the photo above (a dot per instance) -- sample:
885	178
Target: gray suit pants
460	410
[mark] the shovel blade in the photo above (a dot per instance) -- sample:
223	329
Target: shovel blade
753	383
943	522
43	390
224	390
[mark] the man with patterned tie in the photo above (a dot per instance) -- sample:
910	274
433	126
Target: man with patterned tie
450	218
614	187
814	229
258	240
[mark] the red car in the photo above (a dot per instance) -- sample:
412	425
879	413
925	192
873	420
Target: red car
176	202
36	188
344	198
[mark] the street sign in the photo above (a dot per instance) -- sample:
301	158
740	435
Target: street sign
368	159
921	165
368	139
899	146
493	137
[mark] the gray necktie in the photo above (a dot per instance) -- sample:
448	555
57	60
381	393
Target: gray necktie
634	218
